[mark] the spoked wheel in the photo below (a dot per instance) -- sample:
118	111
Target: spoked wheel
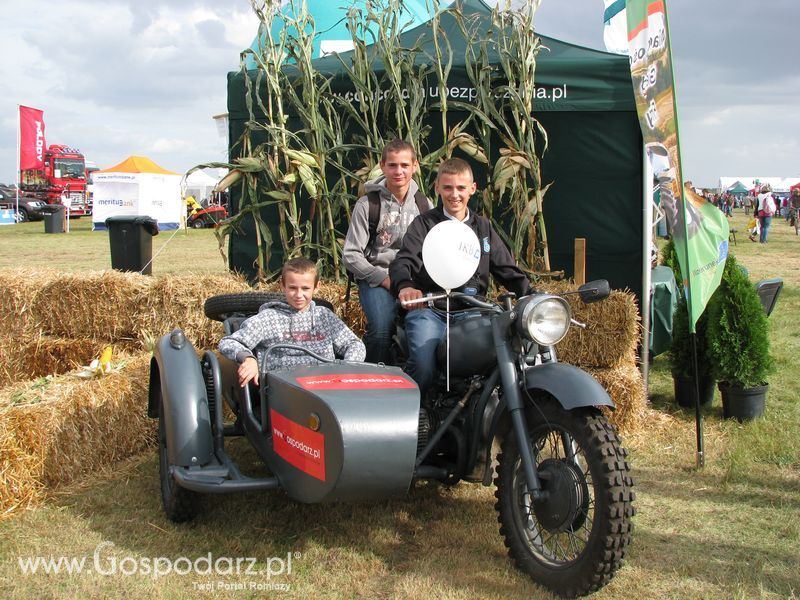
180	505
574	539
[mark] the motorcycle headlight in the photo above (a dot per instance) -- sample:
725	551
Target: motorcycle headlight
544	319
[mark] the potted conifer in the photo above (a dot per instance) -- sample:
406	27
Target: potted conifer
681	359
738	344
680	353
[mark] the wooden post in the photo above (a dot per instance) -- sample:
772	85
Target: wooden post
580	261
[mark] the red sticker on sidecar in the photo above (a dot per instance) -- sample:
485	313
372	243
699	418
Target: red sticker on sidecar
355	381
299	446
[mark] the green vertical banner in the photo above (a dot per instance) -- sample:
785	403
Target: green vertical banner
699	229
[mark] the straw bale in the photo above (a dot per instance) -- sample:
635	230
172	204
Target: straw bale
65	427
96	304
350	312
177	301
625	386
612	333
18	290
18	488
31	357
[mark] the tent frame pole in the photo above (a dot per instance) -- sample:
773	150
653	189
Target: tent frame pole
647	241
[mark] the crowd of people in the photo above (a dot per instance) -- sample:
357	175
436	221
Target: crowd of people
764	204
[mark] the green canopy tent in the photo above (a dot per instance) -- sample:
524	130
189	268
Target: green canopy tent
738	189
594	158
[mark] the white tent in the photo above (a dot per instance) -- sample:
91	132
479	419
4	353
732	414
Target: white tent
137	187
779	184
200	184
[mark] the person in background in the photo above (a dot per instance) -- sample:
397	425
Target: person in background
379	222
765	210
296	320
795	206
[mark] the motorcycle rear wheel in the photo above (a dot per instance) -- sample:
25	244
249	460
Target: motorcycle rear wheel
573	541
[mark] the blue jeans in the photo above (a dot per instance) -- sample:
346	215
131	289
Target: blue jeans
380	308
425	329
765	223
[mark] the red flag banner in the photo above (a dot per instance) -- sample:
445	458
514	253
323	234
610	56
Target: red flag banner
31	138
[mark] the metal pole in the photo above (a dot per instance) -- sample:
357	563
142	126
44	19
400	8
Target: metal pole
19	142
647	241
698	416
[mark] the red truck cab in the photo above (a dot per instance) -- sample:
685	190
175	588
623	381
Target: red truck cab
63	176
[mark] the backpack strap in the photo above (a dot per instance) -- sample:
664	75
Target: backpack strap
422	202
374	203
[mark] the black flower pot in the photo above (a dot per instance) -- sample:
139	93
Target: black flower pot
685	391
743	404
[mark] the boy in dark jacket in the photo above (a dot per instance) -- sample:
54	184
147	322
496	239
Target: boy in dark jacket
297	320
425	327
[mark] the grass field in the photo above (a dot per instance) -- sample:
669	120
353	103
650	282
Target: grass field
730	530
82	249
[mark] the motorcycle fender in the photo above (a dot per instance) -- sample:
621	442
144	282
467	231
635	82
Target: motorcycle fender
571	386
176	369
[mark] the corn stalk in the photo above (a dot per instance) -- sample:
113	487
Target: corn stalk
504	110
338	139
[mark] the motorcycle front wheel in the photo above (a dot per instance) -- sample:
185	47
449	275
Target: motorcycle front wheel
574	539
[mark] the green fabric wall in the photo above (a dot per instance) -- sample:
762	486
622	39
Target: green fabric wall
594	157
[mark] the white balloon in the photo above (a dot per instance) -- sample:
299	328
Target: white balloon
451	253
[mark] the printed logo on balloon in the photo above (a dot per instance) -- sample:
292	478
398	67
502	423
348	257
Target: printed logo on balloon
451	253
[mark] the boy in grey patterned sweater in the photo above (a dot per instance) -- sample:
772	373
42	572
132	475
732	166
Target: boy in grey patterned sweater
297	321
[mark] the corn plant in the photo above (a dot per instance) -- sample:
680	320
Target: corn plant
320	148
504	110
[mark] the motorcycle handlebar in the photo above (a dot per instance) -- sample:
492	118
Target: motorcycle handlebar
472	301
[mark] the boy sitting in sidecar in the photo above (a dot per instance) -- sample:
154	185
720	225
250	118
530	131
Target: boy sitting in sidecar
298	320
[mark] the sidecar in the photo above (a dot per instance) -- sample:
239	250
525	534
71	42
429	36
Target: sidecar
331	432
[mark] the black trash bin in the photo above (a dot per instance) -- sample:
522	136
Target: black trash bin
131	239
55	219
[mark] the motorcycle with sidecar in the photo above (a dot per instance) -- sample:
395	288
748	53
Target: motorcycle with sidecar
505	413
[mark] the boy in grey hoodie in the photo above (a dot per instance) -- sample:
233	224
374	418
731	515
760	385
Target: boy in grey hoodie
368	257
298	321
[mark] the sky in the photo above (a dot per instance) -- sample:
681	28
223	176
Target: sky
144	77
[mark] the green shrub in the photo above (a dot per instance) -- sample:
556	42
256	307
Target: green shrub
669	258
680	352
738	331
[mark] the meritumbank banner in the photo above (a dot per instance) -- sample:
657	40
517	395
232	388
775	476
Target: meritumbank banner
31	138
699	229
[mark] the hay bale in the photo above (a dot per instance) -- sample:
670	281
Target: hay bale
177	301
350	312
62	428
32	357
612	333
627	389
98	305
18	290
18	488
